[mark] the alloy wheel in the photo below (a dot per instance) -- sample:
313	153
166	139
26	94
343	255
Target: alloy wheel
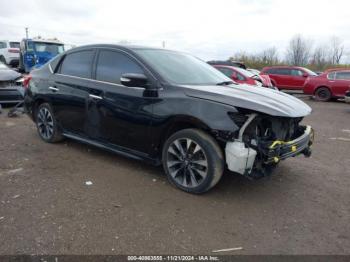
45	123
187	162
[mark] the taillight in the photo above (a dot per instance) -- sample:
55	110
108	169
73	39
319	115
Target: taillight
13	50
26	81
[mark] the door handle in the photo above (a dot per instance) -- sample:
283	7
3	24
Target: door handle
53	89
95	97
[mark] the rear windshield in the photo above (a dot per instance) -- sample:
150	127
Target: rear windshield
14	44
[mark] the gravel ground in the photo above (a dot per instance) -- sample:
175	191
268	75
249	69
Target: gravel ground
46	207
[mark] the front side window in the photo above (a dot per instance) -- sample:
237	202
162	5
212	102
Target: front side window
2	45
78	64
331	76
111	65
343	76
182	68
240	77
296	72
226	71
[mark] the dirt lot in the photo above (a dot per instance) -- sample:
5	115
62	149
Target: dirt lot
47	208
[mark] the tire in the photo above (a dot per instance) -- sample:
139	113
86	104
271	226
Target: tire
47	125
192	161
323	94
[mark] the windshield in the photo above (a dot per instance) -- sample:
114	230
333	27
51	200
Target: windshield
181	68
311	73
52	48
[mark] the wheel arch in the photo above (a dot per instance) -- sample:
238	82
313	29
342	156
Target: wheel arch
323	86
182	122
37	102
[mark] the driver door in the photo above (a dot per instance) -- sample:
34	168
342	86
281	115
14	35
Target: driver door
117	114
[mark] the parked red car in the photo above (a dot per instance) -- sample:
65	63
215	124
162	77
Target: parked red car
243	76
288	77
331	84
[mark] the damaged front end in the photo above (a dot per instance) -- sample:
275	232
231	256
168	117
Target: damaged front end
263	141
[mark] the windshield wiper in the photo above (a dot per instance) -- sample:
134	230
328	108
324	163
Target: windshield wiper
225	83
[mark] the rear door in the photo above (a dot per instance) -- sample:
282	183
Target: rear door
117	114
282	77
69	89
341	83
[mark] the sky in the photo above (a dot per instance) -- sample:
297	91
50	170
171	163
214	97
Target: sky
214	29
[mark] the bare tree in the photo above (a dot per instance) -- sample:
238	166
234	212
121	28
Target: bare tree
269	56
299	50
337	50
321	57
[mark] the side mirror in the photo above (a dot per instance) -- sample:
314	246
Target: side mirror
134	80
305	75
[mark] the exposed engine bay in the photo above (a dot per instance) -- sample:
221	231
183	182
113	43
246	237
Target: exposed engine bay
263	141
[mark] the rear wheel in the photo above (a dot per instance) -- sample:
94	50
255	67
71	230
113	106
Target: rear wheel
47	125
323	94
193	161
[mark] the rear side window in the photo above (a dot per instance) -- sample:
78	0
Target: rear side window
78	64
2	45
112	64
282	71
342	76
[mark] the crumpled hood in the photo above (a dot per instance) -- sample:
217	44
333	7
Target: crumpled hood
8	75
260	99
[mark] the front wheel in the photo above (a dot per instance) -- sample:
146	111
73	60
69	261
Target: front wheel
47	125
323	94
193	161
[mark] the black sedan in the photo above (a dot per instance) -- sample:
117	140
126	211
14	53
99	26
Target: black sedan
166	107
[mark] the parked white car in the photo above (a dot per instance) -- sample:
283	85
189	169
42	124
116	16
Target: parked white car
9	52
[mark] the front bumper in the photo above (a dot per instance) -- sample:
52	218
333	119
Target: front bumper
279	150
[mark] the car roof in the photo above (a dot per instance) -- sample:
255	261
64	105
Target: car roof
129	47
116	46
336	69
284	66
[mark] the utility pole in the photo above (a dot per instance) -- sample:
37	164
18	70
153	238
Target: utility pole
163	44
26	32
